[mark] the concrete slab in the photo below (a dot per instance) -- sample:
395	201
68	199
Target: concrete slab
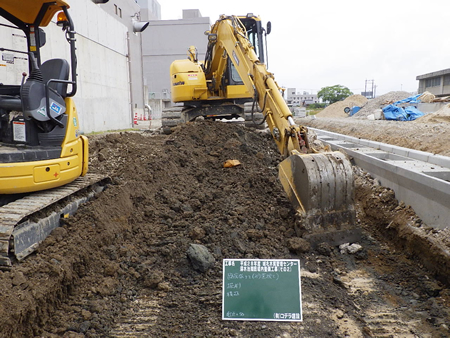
148	125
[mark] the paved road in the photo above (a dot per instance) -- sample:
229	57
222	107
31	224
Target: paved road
149	124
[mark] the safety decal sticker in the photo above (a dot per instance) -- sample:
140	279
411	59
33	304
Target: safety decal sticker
42	111
54	107
19	131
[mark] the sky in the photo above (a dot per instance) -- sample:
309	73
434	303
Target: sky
320	43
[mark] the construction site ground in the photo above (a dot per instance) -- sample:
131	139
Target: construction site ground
119	267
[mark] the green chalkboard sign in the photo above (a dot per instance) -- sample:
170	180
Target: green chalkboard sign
261	289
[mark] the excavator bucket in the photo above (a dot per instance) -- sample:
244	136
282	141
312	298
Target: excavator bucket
321	188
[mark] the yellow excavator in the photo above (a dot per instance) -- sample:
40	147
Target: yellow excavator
40	144
234	75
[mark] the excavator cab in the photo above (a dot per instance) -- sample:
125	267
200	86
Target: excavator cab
232	86
40	145
256	35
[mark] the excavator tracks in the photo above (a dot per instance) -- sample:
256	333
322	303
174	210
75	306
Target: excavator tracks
20	236
171	117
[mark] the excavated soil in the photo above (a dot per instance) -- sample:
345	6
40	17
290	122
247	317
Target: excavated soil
119	267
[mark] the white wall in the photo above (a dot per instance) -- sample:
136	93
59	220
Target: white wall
12	39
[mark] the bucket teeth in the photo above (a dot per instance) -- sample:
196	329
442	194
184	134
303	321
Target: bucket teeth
321	188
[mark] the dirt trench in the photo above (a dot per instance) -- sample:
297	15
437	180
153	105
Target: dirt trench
119	268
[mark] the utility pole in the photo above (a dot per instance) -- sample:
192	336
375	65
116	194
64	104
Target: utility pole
369	94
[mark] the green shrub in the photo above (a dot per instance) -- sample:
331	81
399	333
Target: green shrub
317	105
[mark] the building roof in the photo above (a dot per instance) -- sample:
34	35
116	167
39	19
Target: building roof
433	74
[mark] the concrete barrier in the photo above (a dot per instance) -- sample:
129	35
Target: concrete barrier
419	179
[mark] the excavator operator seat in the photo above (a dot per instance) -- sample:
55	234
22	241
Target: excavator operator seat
54	69
34	93
57	69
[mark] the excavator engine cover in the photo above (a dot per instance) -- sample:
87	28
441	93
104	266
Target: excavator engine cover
321	188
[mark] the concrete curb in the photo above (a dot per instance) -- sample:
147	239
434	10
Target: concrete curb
420	179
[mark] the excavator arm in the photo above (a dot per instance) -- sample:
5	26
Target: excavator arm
260	83
319	185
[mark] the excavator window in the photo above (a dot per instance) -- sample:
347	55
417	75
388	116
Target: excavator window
254	33
253	37
235	78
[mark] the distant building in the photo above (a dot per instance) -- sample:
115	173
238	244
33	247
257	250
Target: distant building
150	9
165	41
437	83
296	99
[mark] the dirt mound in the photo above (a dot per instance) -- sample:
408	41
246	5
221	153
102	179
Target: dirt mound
119	266
427	97
356	100
440	116
379	102
336	109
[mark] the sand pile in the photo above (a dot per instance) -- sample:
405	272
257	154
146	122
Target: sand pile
368	107
427	97
356	100
440	116
337	109
379	102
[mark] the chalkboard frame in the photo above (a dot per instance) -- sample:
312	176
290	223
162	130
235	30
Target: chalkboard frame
261	290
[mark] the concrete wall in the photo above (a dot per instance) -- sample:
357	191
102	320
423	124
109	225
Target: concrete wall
103	99
431	107
163	42
129	13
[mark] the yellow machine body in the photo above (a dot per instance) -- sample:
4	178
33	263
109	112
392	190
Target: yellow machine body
22	177
26	166
188	81
28	10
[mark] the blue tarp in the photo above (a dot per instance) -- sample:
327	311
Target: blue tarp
411	99
396	113
392	112
354	110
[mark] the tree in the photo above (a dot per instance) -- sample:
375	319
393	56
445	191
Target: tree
333	94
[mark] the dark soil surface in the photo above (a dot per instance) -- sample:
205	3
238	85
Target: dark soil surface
119	267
